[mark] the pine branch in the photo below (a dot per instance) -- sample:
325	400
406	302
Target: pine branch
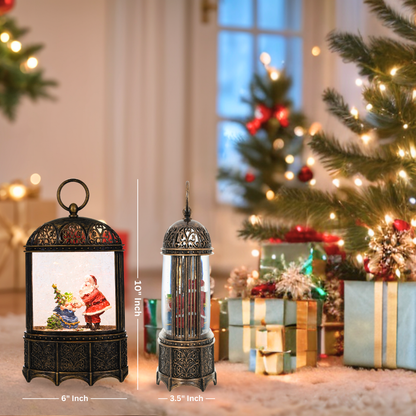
262	231
393	20
337	106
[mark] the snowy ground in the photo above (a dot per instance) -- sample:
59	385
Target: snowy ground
330	389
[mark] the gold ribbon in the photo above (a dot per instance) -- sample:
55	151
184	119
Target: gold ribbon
246	338
260	310
391	336
246	311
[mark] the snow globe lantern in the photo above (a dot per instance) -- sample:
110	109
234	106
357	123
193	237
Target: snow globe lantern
74	300
186	342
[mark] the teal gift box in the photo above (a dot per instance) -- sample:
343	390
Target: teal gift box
241	339
270	362
313	254
380	324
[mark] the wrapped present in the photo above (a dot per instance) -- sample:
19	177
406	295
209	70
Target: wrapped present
306	359
313	253
18	219
276	338
306	340
221	344
380	324
307	314
261	311
151	335
330	338
219	313
241	339
270	362
152	312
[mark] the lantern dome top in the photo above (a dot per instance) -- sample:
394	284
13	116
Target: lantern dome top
187	237
73	232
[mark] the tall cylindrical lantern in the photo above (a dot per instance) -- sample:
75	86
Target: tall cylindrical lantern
186	342
74	300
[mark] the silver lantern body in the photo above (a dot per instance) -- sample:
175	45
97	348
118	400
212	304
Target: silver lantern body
186	342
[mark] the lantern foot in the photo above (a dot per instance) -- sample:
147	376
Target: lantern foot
172	383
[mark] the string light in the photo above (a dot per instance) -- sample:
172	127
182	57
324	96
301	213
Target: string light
413	222
298	131
336	182
310	161
265	58
403	174
32	62
289	159
365	138
4	37
369	106
359	258
393	71
255	253
388	219
405	126
414	94
354	112
412	200
255	274
15	46
315	127
316	50
412	152
358	82
289	175
332	215
35	179
278	144
358	181
312	182
382	87
254	219
341	243
17	191
274	75
371	232
401	153
269	194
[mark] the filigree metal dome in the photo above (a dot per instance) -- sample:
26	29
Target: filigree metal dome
187	237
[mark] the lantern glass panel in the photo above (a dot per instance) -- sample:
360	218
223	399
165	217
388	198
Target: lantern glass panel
167	294
71	289
205	294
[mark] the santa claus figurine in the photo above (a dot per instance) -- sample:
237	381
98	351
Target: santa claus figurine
95	302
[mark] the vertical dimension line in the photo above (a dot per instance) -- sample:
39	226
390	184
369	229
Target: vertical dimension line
137	266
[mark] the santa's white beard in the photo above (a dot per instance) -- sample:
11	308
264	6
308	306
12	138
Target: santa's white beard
86	290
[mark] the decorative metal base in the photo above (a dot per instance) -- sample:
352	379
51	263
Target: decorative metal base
83	356
186	362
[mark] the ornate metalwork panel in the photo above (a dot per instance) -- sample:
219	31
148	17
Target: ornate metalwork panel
187	235
72	233
123	353
105	356
73	357
42	356
46	235
164	360
100	233
207	360
186	363
26	353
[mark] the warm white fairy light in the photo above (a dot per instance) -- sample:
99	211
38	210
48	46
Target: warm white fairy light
359	258
289	175
15	46
403	174
401	153
278	144
388	219
32	62
365	138
413	222
314	128
369	106
371	232
412	200
332	215
17	191
35	179
393	71
354	112
336	182
382	87
358	82
341	243
358	181
310	161
265	58
312	182
289	159
412	152
255	274
255	253
4	37
414	94
254	219
274	75
405	126
269	194
316	50
298	130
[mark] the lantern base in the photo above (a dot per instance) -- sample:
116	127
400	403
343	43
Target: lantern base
59	357
188	362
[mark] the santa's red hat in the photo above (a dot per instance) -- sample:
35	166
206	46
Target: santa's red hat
93	278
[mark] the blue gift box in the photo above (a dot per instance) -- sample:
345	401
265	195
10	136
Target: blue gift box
380	324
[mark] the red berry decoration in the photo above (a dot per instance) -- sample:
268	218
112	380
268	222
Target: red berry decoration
6	6
305	174
250	177
253	126
400	225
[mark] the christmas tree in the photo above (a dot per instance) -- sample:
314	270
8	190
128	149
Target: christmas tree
374	202
18	74
275	134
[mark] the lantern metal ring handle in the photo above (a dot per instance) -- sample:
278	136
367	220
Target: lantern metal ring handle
73	208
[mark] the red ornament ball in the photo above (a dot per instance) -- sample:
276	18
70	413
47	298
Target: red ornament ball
6	6
305	174
250	177
400	225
